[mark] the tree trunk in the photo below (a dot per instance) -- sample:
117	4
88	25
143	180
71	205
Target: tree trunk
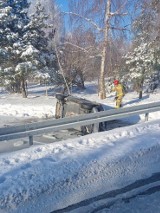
46	87
102	89
141	85
82	80
140	94
141	89
23	89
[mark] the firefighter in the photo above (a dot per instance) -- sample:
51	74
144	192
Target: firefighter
118	88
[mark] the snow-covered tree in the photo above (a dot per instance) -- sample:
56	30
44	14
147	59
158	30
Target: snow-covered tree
24	46
54	16
47	62
14	69
6	35
144	58
141	63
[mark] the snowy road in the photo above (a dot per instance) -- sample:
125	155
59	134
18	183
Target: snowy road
103	203
91	168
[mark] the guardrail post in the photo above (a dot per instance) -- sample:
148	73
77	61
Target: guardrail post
31	140
146	116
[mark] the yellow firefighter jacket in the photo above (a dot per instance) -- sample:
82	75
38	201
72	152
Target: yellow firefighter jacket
119	90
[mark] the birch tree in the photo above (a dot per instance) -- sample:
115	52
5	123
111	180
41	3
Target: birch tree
102	89
100	14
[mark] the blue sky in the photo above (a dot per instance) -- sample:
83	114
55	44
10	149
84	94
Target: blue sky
63	4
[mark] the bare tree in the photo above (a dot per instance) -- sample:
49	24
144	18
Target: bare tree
103	16
75	58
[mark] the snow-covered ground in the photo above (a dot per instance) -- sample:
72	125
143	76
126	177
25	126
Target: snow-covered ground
113	171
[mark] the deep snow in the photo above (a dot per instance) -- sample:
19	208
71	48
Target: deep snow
53	176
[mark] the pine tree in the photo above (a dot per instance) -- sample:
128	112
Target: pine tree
140	62
6	36
24	45
46	60
144	57
14	69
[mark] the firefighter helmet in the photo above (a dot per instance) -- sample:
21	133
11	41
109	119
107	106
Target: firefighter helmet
116	82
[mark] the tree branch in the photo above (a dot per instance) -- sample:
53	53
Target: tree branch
76	46
61	69
117	13
118	28
87	19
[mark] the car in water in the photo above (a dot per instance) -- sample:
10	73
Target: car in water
68	105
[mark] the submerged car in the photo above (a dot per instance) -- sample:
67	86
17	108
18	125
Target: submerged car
68	106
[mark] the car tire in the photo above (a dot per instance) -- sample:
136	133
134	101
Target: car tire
61	97
87	106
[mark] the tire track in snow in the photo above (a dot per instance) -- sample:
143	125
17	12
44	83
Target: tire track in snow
112	194
149	191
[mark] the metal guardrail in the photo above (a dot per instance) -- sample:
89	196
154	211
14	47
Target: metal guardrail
53	125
